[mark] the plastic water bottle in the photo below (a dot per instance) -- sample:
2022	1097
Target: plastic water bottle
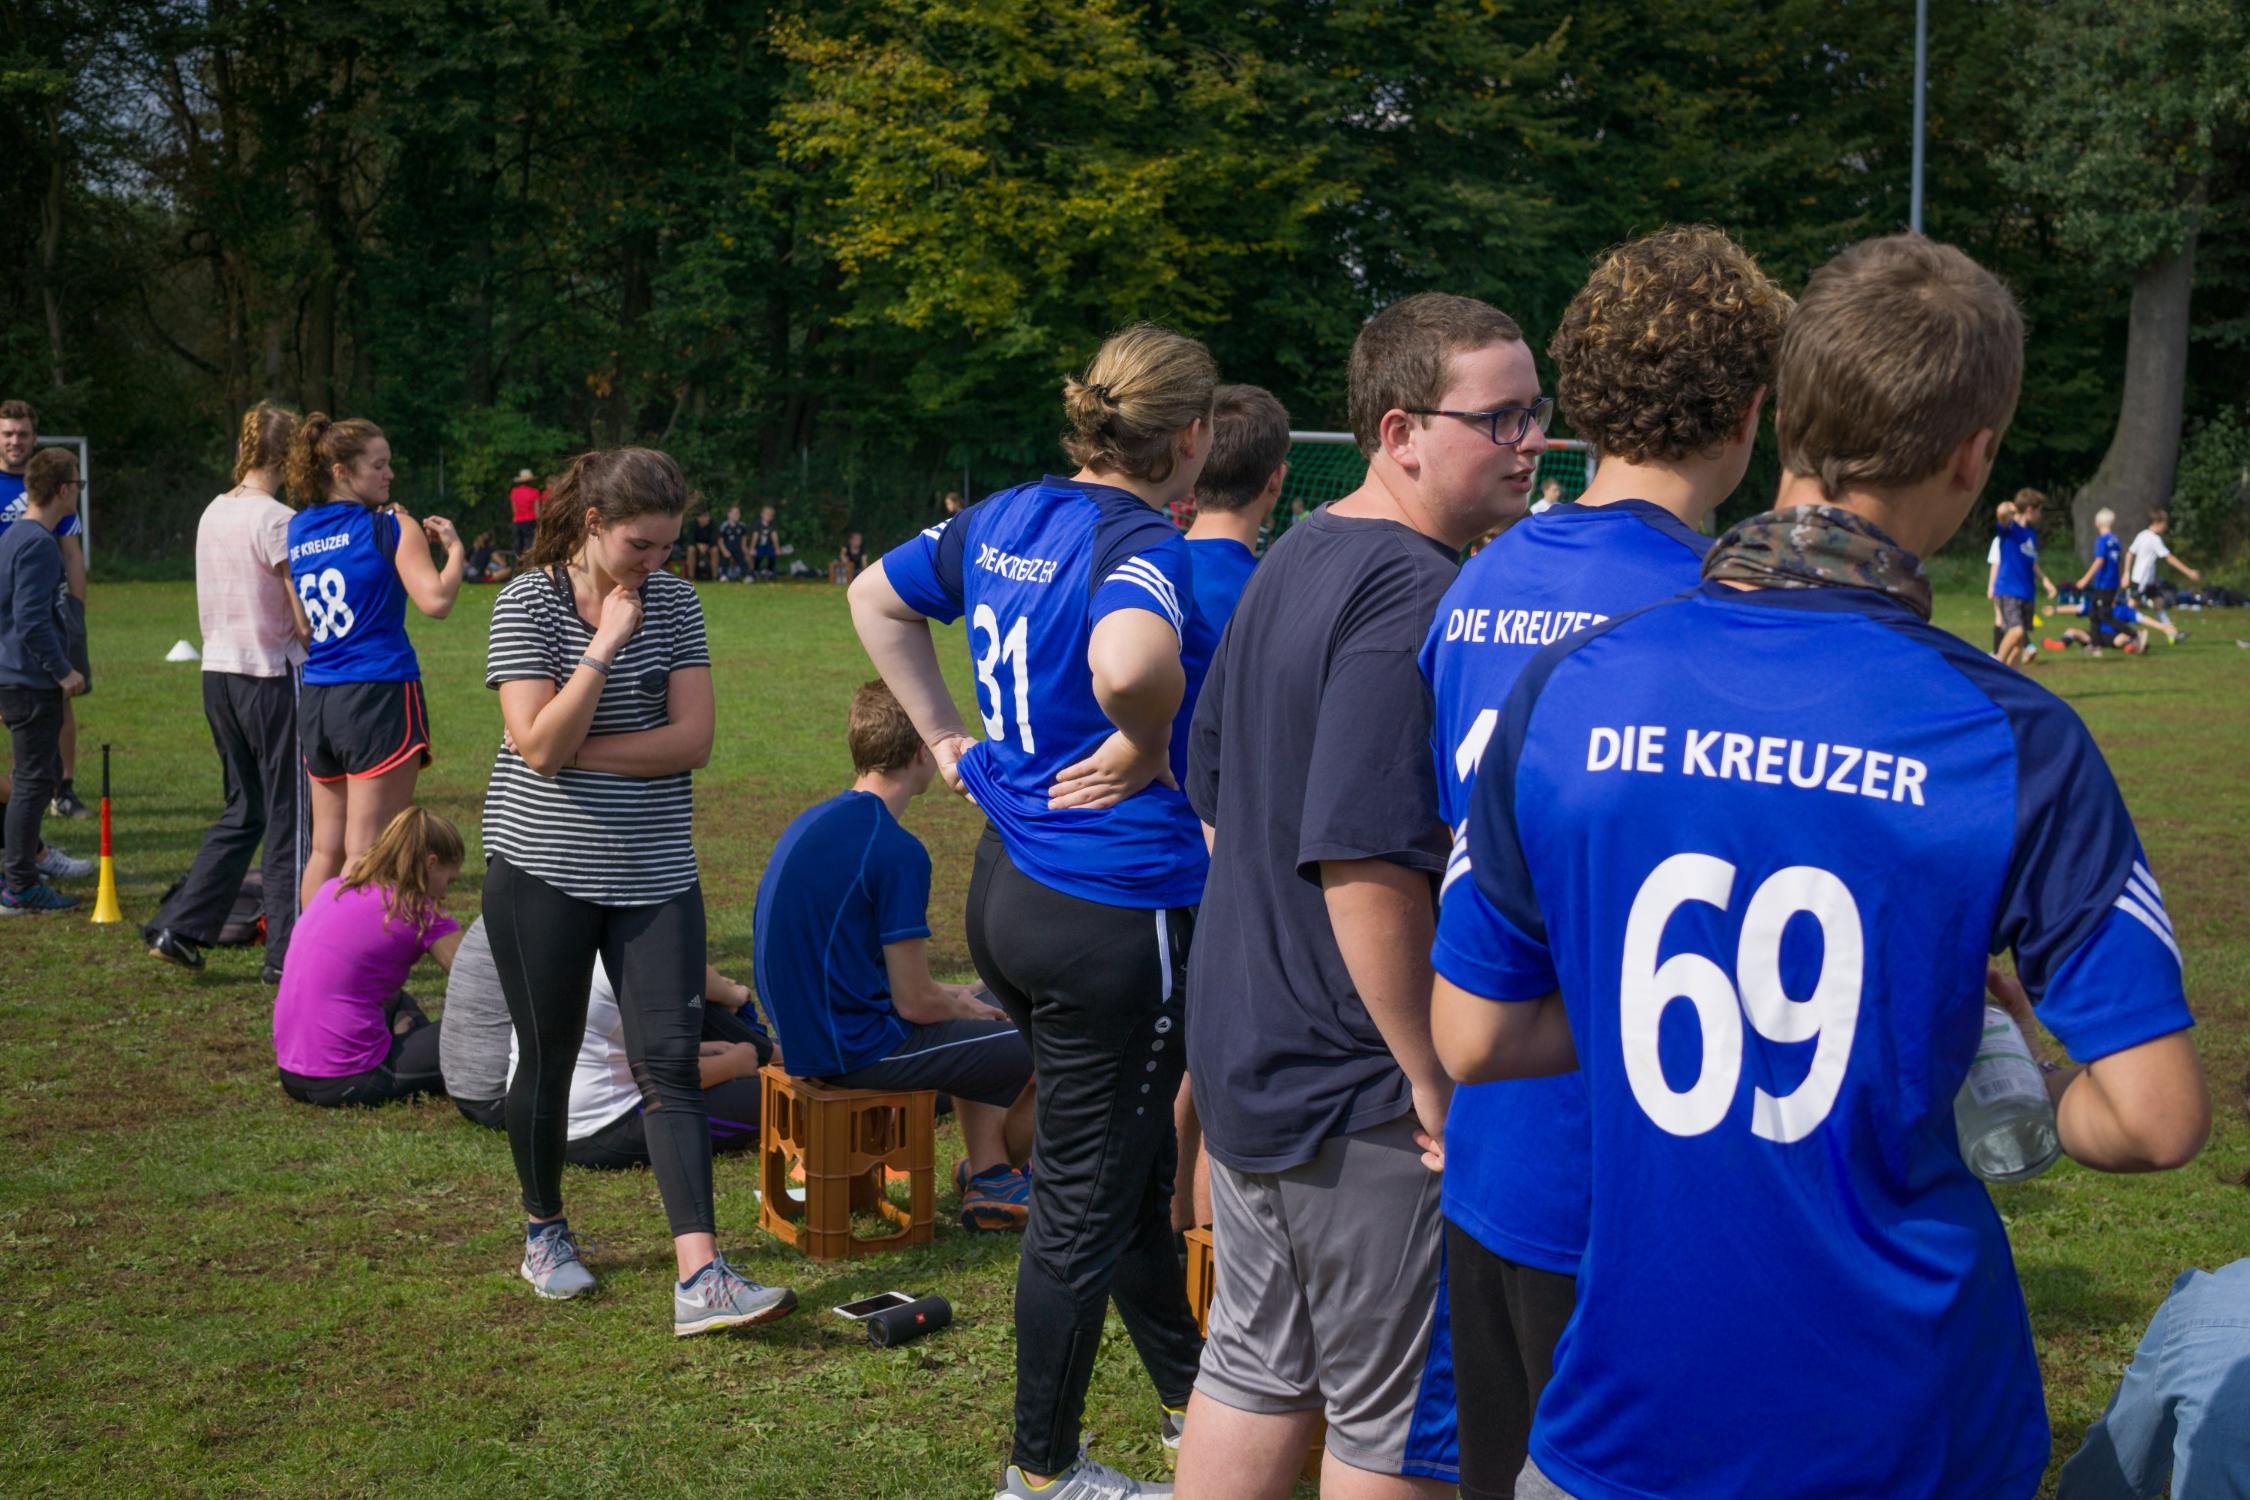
2005	1121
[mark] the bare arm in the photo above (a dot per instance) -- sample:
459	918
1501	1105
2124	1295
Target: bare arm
2145	1109
432	589
722	1062
2171	557
547	726
921	1000
1384	916
301	624
1480	1040
684	744
444	948
1134	656
898	642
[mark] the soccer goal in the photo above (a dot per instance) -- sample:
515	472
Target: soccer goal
1325	466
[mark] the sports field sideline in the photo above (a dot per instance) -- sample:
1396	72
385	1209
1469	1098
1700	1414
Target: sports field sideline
207	1289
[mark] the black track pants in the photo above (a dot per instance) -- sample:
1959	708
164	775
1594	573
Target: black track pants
254	728
1507	1318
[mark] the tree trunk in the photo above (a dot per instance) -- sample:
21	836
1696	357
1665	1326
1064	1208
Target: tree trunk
50	251
2136	473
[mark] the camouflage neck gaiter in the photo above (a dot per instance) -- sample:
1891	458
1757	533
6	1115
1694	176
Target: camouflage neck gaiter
1818	546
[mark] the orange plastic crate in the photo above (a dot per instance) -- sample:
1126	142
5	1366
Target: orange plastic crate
843	1141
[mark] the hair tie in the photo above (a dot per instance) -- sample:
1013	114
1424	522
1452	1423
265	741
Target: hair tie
1103	392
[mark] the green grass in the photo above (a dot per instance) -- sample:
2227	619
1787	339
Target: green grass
207	1289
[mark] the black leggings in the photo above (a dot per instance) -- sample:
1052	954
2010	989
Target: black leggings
544	944
1098	993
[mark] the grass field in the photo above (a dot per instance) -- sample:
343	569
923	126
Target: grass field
208	1289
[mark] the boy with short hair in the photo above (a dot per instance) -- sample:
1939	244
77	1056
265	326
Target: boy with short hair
1662	362
2102	576
734	556
842	942
1234	495
2013	575
36	675
2147	550
1751	900
765	546
2003	517
1550	495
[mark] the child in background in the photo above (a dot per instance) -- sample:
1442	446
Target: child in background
703	544
765	546
2147	550
343	1030
2003	521
1550	496
853	555
734	557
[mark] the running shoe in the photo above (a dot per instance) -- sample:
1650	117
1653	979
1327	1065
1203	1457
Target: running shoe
719	1298
1175	1423
40	898
996	1199
1083	1480
168	945
56	865
555	1264
67	805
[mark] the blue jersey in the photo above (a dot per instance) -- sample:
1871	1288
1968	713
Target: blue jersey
2019	562
2109	559
343	565
13	505
1222	571
1766	889
1515	1153
844	880
1034	568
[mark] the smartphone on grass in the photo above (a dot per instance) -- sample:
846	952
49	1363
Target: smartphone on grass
868	1307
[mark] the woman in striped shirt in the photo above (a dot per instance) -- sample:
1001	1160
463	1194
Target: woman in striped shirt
605	686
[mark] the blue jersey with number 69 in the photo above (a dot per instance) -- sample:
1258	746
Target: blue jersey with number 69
1033	569
1763	843
343	565
1515	1152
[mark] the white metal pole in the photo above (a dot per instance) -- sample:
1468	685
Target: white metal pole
1921	93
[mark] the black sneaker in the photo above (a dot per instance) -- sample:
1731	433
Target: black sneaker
67	805
270	974
168	945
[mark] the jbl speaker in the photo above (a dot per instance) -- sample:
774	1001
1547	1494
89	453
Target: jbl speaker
903	1325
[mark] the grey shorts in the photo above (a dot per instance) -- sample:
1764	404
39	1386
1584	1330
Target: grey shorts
1533	1485
1331	1298
2015	614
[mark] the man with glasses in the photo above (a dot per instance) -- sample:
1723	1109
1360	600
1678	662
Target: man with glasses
1309	986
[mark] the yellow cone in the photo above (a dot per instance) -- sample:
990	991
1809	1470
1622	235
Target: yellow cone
105	898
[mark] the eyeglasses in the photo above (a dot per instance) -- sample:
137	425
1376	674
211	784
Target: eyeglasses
1518	420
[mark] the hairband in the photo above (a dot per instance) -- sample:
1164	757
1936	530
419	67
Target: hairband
1103	392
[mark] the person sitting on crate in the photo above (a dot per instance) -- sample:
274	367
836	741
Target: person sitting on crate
843	966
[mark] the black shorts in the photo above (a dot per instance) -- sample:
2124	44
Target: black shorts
74	641
2015	614
359	729
983	1061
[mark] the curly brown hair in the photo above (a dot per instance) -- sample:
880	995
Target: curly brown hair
1661	351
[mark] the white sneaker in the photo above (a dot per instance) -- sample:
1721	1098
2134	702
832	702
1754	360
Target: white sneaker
56	865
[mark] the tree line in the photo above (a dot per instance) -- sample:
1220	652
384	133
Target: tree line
839	256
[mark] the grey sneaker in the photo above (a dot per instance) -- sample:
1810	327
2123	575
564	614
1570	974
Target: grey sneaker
555	1265
719	1298
1083	1480
56	865
1175	1423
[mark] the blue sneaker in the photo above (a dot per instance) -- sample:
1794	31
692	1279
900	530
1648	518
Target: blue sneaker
555	1264
716	1297
998	1200
40	898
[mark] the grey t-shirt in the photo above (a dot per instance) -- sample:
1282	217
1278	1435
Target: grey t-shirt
473	1042
1311	742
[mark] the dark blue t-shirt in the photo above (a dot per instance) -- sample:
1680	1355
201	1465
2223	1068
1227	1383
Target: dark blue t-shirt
1766	889
2109	557
1516	1174
845	879
1035	568
343	563
2019	562
1311	743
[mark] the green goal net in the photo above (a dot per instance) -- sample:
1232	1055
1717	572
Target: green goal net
1325	466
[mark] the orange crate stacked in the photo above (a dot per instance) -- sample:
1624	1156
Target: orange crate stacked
844	1139
1202	1280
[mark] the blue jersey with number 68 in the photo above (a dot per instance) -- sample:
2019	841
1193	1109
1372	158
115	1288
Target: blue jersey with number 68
343	565
1763	843
1033	569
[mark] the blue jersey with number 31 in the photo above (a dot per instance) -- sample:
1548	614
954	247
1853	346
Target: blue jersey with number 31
343	565
1763	842
1034	568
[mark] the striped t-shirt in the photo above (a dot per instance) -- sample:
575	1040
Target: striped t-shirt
601	837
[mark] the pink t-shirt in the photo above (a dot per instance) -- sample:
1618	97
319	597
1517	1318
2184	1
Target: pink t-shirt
241	603
347	956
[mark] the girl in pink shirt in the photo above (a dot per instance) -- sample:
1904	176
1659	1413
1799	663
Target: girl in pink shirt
344	1032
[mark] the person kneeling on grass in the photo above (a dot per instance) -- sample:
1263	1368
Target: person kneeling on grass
843	966
343	1030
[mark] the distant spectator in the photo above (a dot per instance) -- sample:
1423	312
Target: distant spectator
36	675
734	554
702	538
344	1032
1550	496
952	502
851	558
765	546
2147	550
842	943
523	504
19	436
2003	518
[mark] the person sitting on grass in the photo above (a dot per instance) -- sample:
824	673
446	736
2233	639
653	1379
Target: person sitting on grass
843	966
2147	550
344	1032
765	546
2119	626
702	538
606	1128
734	560
853	555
